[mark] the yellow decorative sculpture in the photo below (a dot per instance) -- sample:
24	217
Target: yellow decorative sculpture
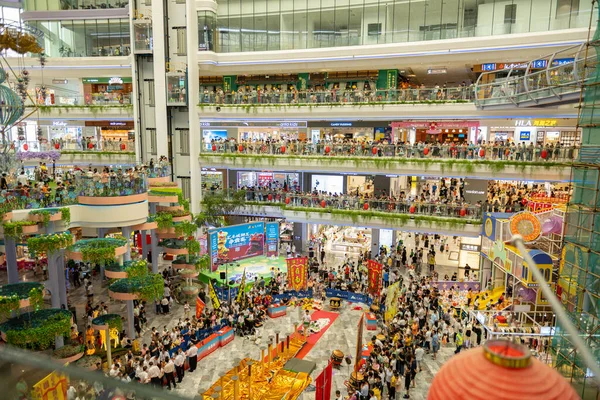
114	337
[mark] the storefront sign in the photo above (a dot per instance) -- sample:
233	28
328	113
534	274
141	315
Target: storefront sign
436	124
59	123
470	247
126	125
562	61
525	135
254	124
536	64
59	81
115	80
536	122
110	81
340	124
437	71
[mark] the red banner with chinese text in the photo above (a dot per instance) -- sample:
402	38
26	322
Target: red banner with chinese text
375	275
199	307
323	383
297	273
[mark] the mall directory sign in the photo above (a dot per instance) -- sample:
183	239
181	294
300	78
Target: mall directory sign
236	242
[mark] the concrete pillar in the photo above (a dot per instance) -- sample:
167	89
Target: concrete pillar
102	232
300	236
126	231
51	227
144	245
394	239
10	247
381	182
62	281
154	248
54	280
152	208
130	317
374	242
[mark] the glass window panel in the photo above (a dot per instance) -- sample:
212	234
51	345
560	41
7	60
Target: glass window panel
417	21
300	24
326	34
260	25
247	25
273	25
541	16
341	22
66	39
103	34
355	22
450	16
79	39
433	18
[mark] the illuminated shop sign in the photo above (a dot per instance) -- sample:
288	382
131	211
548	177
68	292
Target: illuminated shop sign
340	124
536	122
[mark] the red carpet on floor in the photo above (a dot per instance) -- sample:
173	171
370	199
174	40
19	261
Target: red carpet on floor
314	338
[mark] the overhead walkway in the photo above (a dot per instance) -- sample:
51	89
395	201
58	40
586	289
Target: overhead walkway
550	80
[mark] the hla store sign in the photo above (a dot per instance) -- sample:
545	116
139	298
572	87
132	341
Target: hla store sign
536	122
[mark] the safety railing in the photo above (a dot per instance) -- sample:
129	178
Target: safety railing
359	203
83	144
341	96
93	99
553	78
496	151
108	185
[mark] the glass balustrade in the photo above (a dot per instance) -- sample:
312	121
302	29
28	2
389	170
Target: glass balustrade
93	99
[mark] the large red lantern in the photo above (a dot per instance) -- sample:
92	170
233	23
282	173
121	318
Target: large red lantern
463	212
544	154
240	148
25	147
287	200
282	149
412	209
123	146
366	206
214	148
323	203
481	153
270	197
426	150
56	146
374	150
516	375
327	149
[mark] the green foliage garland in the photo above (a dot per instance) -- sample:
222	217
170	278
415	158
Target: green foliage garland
192	246
15	229
66	215
45	213
49	243
8	305
136	268
185	228
37	330
148	287
12	293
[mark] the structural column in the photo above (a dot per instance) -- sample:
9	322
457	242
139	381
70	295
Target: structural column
10	247
144	245
300	236
130	319
54	289
154	250
126	231
374	242
62	280
160	83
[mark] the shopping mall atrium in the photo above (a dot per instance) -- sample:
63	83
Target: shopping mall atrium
281	199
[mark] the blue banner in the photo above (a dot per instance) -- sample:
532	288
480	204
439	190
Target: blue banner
302	294
349	296
272	239
236	243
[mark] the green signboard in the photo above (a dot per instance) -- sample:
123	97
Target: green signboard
115	80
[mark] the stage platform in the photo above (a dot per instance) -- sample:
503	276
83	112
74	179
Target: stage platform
255	267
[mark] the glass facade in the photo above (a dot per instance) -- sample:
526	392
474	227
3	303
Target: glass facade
259	25
85	38
54	5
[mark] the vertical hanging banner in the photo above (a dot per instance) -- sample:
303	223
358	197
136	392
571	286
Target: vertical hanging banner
359	342
375	275
323	383
272	239
199	307
213	296
297	273
391	301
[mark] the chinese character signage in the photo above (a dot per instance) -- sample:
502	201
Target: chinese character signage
297	273
54	386
272	239
236	243
375	275
213	296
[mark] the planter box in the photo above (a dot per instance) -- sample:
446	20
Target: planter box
188	274
30	229
167	235
115	274
40	218
162	179
163	199
112	201
145	226
71	359
184	266
77	256
176	252
183	218
169	208
122	296
190	290
2	259
8	216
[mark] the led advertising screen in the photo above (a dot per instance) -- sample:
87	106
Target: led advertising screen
236	242
272	239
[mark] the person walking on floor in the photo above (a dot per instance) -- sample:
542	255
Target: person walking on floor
192	354
170	373
179	365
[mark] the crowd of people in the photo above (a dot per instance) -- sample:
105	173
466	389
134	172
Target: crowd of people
473	150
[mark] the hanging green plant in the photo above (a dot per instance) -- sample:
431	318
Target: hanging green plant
99	250
164	220
185	228
192	246
66	215
37	330
136	268
165	192
8	305
15	229
148	287
45	213
49	243
112	320
36	298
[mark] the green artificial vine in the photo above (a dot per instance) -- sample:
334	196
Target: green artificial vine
15	229
192	246
12	293
8	305
114	321
66	215
49	243
98	251
185	228
44	213
36	298
136	268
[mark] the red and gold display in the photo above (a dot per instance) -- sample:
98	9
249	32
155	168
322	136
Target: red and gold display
297	273
375	275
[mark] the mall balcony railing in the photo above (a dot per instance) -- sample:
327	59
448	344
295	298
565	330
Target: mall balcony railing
418	150
266	197
78	145
103	185
462	94
53	5
95	99
555	78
